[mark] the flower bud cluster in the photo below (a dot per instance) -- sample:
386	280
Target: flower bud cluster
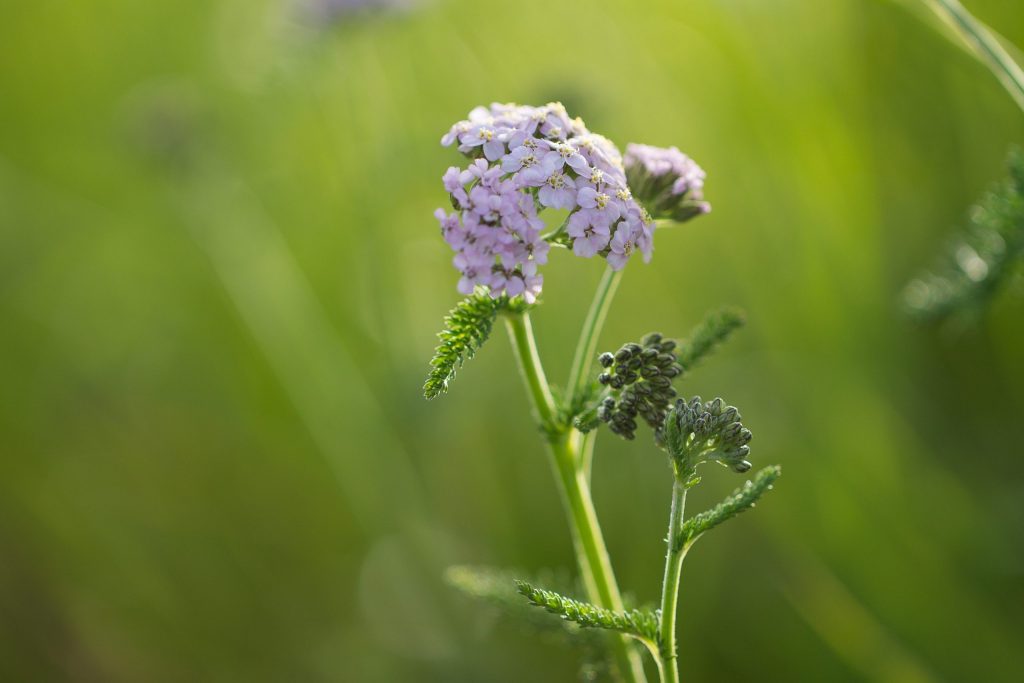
640	378
666	181
694	432
527	159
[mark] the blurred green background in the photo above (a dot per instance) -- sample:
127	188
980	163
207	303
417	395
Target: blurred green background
220	282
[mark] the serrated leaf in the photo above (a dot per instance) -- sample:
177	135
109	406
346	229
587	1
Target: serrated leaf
981	259
741	499
714	329
466	328
497	587
637	623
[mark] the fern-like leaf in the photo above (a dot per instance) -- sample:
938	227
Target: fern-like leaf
497	587
708	335
637	623
466	328
741	499
982	258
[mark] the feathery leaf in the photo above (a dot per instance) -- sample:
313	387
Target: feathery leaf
498	588
466	328
982	258
741	499
637	623
706	337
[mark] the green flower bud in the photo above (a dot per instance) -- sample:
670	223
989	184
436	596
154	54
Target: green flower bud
651	339
665	360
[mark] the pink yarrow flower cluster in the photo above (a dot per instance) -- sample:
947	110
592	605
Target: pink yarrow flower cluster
524	160
670	183
660	161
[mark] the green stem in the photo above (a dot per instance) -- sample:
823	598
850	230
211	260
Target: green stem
521	332
985	45
565	449
670	585
587	453
586	348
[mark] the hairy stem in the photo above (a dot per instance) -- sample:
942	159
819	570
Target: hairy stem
564	446
670	585
984	44
586	348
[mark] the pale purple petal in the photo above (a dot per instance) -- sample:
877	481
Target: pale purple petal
587	197
493	149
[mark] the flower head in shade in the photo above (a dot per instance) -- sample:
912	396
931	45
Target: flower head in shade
639	379
524	160
695	432
326	13
666	181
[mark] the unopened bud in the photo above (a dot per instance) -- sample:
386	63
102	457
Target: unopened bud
715	407
660	382
652	339
731	431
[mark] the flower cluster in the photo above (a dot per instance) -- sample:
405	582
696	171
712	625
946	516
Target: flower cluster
527	159
695	432
640	377
669	183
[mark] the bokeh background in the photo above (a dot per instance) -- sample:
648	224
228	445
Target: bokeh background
220	281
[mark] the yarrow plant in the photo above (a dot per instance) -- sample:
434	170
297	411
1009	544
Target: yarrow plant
523	164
